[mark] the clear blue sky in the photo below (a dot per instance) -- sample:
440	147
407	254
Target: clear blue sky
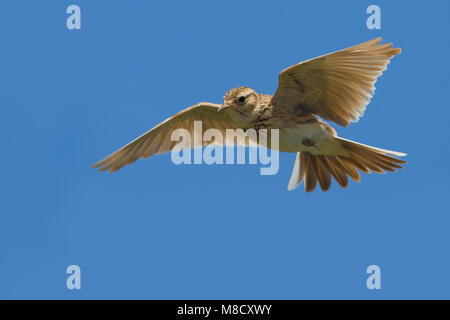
155	230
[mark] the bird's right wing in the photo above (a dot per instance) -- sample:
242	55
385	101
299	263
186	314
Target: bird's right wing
335	86
158	139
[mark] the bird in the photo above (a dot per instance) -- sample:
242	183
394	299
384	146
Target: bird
334	87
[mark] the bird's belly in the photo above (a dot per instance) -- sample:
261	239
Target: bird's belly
305	137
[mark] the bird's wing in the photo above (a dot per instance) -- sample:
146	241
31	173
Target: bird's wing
158	139
336	86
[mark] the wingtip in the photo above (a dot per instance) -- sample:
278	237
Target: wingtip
98	165
374	41
397	154
377	41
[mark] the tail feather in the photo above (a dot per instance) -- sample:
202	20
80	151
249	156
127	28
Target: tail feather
298	173
350	169
320	168
310	173
323	173
338	171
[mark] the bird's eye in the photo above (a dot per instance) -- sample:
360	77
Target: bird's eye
241	99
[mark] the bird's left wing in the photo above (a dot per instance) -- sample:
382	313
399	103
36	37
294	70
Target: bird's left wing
335	86
158	139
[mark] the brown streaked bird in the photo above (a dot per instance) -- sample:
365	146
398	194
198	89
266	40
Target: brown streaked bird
335	87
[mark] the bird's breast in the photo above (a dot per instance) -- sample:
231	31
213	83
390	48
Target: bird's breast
304	137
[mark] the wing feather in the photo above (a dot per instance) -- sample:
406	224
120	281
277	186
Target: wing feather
336	86
158	139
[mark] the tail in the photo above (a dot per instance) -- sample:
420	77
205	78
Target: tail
320	168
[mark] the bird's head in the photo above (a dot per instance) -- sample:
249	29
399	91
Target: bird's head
243	99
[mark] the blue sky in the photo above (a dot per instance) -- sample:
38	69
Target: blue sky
156	230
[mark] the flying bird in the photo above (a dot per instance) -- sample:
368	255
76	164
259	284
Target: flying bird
336	87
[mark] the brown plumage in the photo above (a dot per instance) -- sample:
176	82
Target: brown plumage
335	87
320	168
